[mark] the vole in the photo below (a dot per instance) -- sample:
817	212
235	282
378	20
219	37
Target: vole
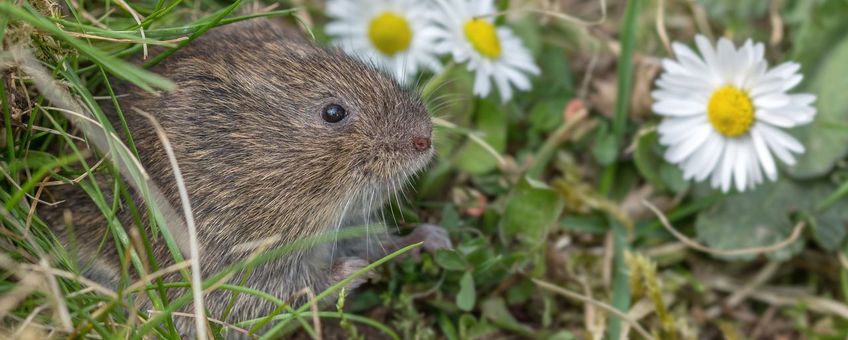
277	139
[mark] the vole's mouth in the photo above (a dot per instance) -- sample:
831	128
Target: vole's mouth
393	161
386	181
400	172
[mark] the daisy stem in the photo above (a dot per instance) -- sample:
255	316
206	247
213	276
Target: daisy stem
621	280
625	71
436	81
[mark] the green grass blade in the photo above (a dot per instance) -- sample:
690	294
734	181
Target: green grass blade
139	77
213	21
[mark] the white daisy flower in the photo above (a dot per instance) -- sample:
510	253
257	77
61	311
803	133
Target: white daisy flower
397	35
493	53
725	110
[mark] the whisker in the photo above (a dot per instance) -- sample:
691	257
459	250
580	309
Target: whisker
368	225
400	209
440	86
339	226
397	201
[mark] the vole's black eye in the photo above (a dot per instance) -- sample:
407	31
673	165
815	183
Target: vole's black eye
333	113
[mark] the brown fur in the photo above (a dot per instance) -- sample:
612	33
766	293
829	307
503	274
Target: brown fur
258	160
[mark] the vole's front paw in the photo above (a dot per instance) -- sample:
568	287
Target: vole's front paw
433	238
346	266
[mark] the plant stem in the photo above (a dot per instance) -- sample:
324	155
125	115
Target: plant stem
546	152
621	283
686	210
621	277
837	194
7	118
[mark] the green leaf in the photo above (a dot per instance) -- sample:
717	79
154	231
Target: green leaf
520	292
546	115
447	327
470	328
450	259
735	14
646	159
528	30
467	295
495	310
829	226
557	81
563	335
653	167
764	216
589	224
450	217
605	148
466	322
531	208
491	122
818	26
672	177
826	139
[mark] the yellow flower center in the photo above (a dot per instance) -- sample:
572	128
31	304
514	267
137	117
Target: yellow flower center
483	37
390	33
730	111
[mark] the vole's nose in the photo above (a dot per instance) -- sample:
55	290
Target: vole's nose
421	143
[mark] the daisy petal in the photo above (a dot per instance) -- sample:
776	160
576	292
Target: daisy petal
766	160
677	108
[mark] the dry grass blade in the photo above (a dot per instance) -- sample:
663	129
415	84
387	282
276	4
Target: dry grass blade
609	309
661	29
122	40
114	137
157	274
216	321
79	178
55	132
32	206
60	97
94	21
27	284
701	19
24	326
17	186
563	16
776	22
75	277
780	296
137	19
316	320
56	296
745	291
102	138
194	247
796	232
566	17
